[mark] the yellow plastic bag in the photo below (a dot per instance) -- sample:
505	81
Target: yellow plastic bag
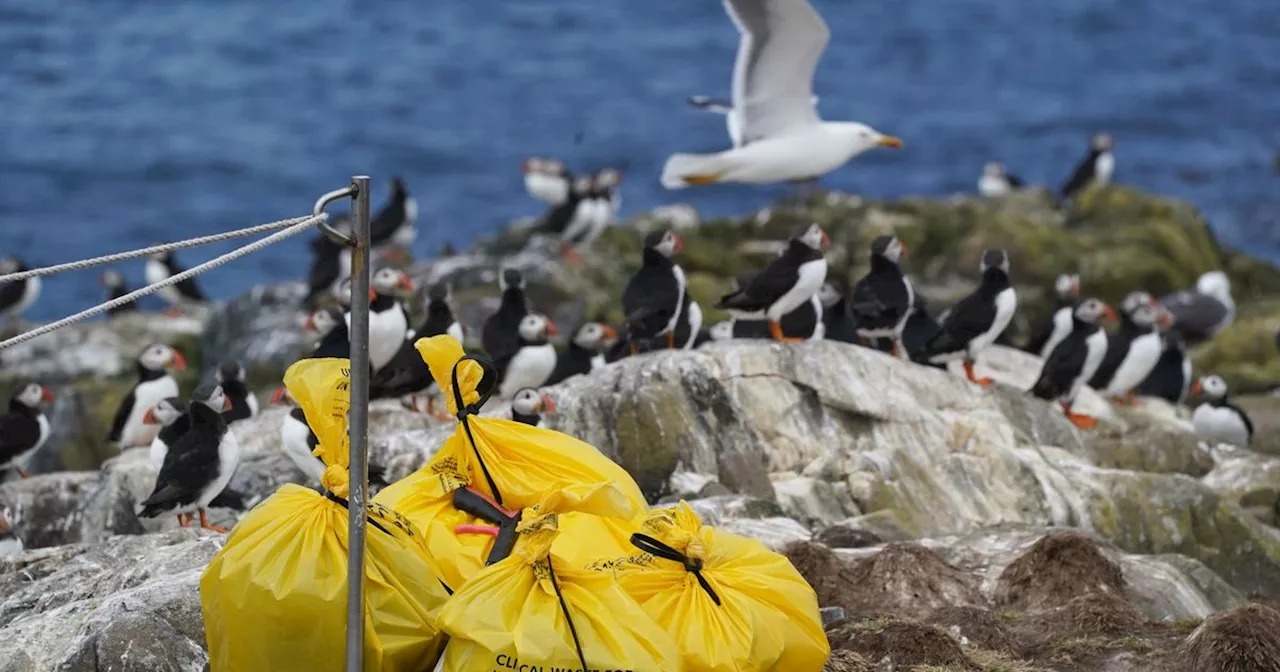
731	604
535	611
510	463
274	598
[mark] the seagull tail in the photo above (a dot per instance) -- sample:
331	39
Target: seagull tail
683	170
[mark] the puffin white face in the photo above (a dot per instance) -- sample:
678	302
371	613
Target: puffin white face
10	264
993	169
534	328
532	165
552	166
166	412
1093	311
112	278
994	259
722	331
1140	308
829	295
390	281
582	185
593	335
1067	284
529	401
814	237
1215	284
159	356
1211	387
216	399
1102	142
890	248
322	321
9	519
32	395
342	292
862	137
667	243
608	178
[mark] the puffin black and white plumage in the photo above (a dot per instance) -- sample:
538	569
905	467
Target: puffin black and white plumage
1217	420
393	224
298	441
584	353
24	429
388	318
1096	167
331	327
407	376
17	296
499	335
116	286
787	283
244	405
1074	361
199	465
882	300
154	384
439	317
330	265
1132	351
654	297
689	326
534	361
920	329
602	204
571	217
1171	378
160	267
996	181
546	179
1067	289
977	320
10	543
1204	311
529	404
835	314
171	416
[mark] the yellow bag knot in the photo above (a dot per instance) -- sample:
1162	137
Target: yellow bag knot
336	479
695	548
443	354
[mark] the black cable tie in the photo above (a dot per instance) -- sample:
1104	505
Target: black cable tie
484	389
656	548
564	608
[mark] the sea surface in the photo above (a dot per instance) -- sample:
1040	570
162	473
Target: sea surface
124	123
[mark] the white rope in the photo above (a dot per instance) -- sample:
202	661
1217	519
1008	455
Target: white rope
148	251
301	225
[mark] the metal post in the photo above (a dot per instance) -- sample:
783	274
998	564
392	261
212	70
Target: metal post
358	422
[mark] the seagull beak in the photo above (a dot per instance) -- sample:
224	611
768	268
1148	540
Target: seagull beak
45	395
890	142
551	329
548	404
150	418
278	397
178	362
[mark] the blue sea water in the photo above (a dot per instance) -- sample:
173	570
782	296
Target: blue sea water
123	122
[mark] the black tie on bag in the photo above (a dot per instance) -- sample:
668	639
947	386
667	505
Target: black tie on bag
656	548
485	389
564	609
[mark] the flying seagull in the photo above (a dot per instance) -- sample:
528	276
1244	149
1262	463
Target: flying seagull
782	137
725	107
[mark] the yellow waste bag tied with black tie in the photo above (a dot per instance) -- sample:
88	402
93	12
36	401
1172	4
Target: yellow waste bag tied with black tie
492	468
533	610
275	597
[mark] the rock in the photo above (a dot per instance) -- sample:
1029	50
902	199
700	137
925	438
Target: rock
841	536
1244	638
1058	567
973	625
96	349
1248	479
847	661
262	329
127	604
809	500
904	644
1264	413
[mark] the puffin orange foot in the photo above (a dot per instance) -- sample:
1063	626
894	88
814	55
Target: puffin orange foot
204	524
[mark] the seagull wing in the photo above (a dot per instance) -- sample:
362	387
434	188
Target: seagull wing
781	43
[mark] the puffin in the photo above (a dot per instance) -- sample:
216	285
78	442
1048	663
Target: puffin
393	225
10	542
721	331
921	328
546	179
1096	167
689	326
18	295
439	318
330	265
607	201
154	384
1204	311
388	318
585	351
171	415
529	404
995	181
654	296
535	360
298	441
1171	377
571	217
160	267
335	338
1218	420
1132	351
835	314
113	280
499	335
199	465
1067	289
882	300
231	376
787	283
1074	361
24	429
977	320
407	376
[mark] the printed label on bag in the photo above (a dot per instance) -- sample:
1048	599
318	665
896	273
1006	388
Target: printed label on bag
506	663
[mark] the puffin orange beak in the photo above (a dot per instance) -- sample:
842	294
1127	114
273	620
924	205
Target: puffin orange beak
826	241
609	332
548	404
1166	319
4	524
551	329
904	249
45	395
309	324
1196	387
178	362
406	283
890	142
280	395
150	418
526	166
373	293
226	404
679	243
1109	313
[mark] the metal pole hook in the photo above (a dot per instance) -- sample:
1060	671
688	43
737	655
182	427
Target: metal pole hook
333	234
